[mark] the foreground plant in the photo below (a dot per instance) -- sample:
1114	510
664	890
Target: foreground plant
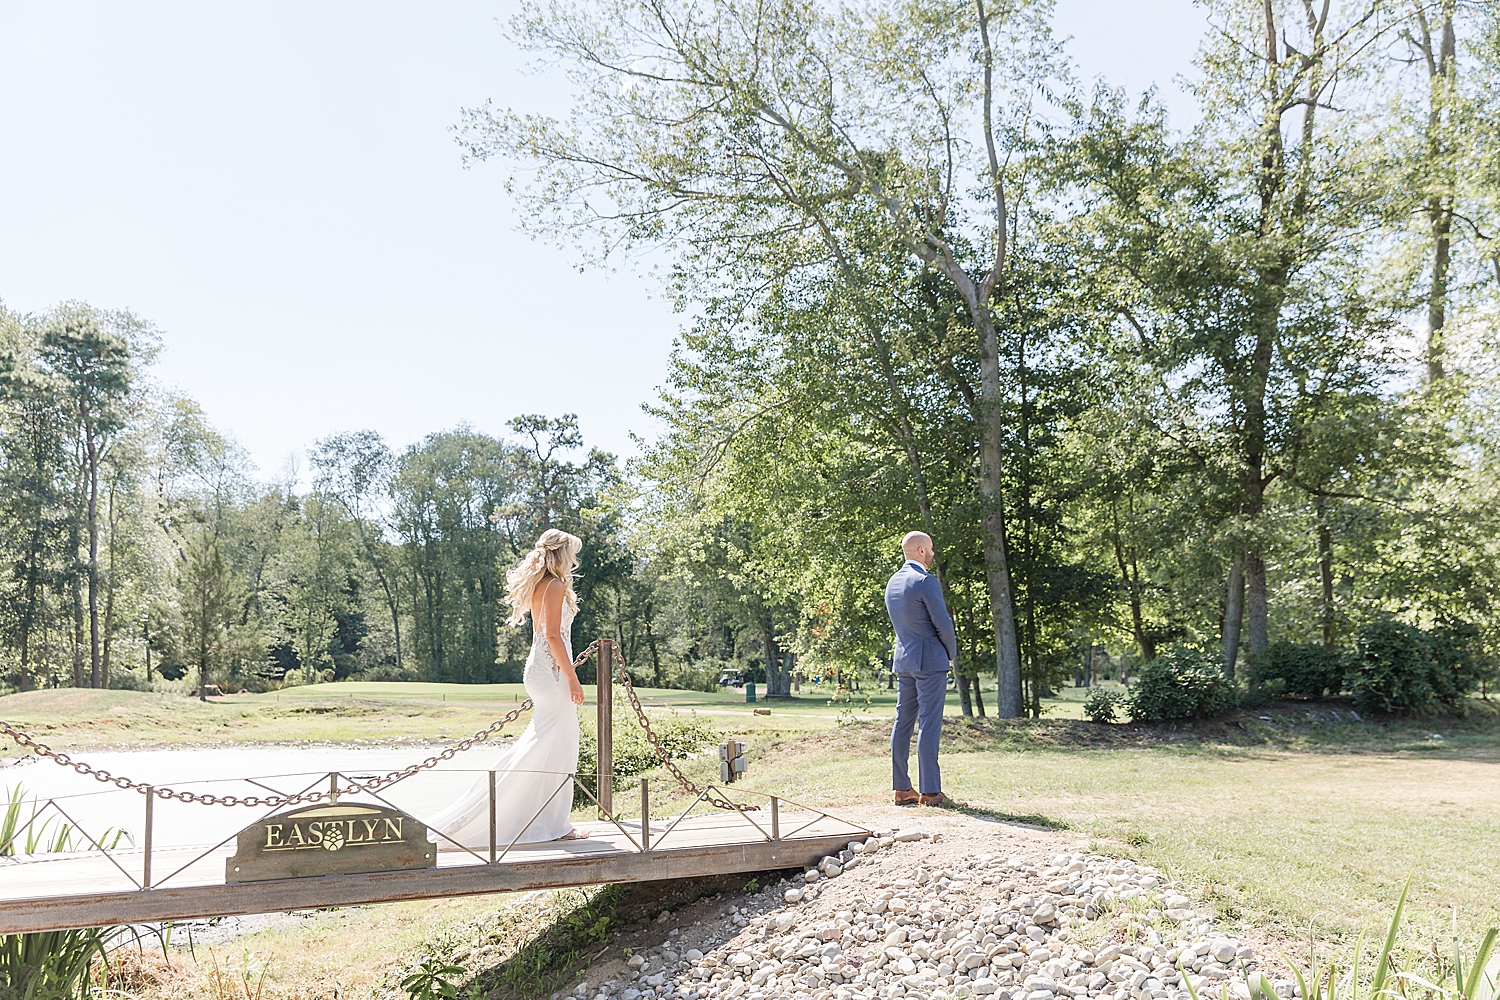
1474	979
51	965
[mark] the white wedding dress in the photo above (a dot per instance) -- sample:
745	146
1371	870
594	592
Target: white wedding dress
533	780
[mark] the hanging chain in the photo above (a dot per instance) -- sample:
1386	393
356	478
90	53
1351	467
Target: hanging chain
278	801
717	801
259	801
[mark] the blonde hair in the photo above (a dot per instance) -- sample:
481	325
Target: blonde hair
555	554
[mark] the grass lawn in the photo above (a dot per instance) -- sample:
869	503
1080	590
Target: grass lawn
1285	818
1281	822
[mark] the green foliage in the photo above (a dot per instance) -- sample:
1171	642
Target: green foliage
586	920
1472	977
1302	669
681	736
1400	669
53	965
1103	705
1181	683
434	979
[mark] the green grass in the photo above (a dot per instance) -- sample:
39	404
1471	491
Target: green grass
1281	837
1286	817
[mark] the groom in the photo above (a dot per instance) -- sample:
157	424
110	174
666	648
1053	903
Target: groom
925	648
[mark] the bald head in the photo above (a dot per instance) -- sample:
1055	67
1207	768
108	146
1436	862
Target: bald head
917	547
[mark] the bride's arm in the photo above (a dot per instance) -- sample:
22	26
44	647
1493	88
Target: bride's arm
552	604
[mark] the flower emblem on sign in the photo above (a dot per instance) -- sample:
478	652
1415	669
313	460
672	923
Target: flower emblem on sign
333	838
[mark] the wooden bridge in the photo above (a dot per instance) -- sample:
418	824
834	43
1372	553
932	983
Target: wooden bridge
110	885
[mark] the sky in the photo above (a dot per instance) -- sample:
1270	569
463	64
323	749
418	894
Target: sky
276	187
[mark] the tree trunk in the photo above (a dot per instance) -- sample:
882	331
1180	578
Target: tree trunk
80	678
1437	297
1440	67
1130	575
978	698
93	458
1234	613
773	654
1325	575
963	695
1256	606
1008	699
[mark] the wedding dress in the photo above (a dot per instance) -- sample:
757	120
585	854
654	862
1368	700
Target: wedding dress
533	784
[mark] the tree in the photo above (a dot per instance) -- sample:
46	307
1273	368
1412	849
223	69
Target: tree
809	130
355	469
208	602
92	362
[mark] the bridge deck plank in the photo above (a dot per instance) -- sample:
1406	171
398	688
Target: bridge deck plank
84	890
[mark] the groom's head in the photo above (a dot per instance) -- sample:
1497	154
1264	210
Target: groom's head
917	547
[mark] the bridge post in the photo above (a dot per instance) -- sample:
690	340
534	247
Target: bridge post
645	814
605	785
146	838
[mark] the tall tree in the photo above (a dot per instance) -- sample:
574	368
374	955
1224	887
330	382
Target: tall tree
355	470
809	128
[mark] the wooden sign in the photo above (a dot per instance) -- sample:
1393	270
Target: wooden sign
330	839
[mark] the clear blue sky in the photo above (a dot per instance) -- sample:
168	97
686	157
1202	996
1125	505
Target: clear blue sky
275	186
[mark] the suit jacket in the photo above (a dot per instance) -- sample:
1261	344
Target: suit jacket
924	632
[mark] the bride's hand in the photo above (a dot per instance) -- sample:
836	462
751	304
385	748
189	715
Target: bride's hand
575	690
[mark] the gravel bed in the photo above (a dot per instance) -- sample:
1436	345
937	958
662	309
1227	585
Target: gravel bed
928	916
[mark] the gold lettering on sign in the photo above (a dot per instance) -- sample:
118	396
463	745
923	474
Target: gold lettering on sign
311	841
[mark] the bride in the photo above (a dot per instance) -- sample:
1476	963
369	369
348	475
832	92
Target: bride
533	781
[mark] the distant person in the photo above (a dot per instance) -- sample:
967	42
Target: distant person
534	779
926	647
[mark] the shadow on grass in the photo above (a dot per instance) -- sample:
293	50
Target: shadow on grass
1035	820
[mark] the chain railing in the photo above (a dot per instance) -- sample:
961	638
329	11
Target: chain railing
258	801
385	781
717	801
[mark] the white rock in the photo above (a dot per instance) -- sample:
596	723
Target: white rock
907	836
636	961
833	871
811	875
693	955
792	895
1223	952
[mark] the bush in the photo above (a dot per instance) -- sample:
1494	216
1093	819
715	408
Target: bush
681	736
1103	705
1181	683
1302	669
1400	669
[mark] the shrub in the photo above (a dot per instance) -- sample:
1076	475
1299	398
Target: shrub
1103	705
680	736
1303	669
1400	669
1181	683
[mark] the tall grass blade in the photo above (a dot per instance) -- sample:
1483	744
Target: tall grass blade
1382	968
1470	985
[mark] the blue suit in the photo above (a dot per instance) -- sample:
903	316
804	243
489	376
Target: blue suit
925	645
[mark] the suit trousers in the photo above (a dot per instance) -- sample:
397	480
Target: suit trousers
919	700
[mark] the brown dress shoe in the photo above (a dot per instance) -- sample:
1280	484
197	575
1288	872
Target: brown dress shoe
936	799
909	797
